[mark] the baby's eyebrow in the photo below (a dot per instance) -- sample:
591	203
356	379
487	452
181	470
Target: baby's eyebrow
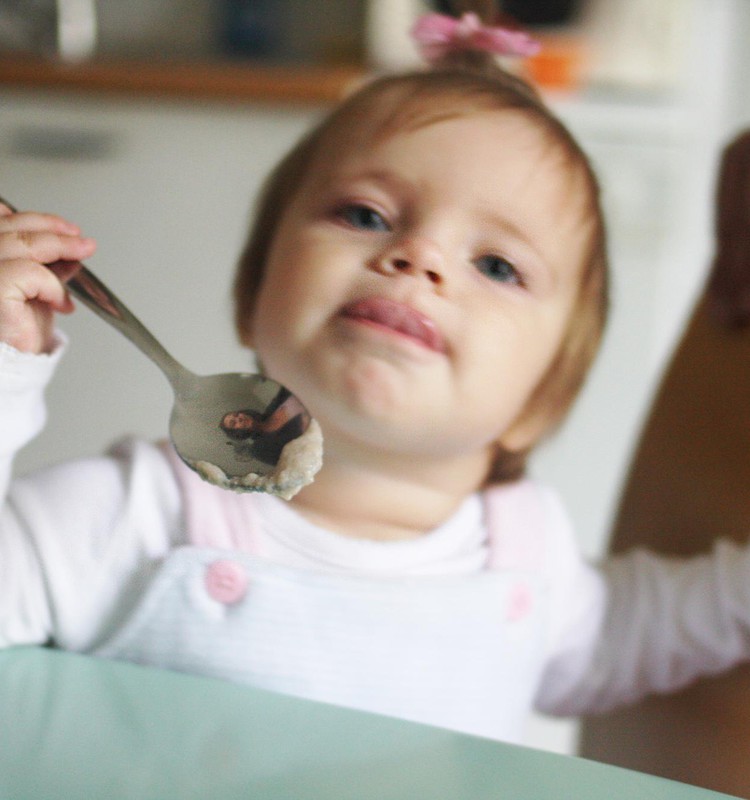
507	226
382	177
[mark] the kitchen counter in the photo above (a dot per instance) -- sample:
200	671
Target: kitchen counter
226	81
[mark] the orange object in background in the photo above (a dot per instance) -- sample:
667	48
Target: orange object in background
559	65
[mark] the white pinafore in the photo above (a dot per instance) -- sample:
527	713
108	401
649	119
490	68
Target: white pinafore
460	651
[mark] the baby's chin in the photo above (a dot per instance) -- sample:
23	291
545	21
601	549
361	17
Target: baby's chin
361	390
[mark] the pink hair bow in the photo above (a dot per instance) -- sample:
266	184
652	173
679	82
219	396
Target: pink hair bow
438	35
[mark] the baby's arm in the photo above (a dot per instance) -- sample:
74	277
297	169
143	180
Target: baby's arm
30	296
79	541
71	536
74	536
641	624
30	292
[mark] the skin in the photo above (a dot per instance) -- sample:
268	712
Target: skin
31	294
466	222
467	225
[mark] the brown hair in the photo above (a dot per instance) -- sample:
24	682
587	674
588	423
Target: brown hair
387	104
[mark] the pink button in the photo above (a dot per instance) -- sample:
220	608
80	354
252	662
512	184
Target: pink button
226	581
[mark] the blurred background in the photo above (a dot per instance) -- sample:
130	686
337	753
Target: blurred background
152	123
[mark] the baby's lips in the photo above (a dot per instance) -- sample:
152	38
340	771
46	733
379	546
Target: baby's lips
398	316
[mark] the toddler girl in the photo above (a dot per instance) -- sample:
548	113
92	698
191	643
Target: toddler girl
427	274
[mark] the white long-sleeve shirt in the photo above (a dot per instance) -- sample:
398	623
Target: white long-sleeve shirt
125	556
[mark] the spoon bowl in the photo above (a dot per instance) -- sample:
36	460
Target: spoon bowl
240	431
237	422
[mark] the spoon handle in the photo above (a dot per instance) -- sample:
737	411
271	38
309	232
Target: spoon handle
92	292
85	286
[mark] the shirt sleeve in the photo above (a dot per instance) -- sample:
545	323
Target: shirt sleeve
23	379
77	540
641	624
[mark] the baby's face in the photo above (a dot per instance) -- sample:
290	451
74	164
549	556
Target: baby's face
418	286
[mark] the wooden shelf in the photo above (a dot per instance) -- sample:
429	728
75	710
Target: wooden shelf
201	80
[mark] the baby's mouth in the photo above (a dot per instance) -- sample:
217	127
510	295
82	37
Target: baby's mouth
397	317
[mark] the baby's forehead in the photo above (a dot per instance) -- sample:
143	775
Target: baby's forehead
368	126
359	137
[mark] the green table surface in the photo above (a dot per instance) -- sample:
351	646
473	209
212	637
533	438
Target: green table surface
73	727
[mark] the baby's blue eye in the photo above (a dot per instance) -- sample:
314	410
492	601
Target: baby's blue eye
363	217
498	269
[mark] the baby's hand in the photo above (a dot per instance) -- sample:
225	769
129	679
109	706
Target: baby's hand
30	292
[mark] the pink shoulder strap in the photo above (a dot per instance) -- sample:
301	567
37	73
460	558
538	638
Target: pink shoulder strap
516	524
214	517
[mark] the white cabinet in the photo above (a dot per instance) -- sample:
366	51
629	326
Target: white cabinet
167	191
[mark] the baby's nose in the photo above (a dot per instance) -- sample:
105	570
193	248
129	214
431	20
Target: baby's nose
416	256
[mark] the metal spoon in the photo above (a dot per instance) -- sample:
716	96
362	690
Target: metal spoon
229	428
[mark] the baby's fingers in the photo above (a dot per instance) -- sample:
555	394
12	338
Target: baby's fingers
40	237
34	221
24	282
30	294
43	246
